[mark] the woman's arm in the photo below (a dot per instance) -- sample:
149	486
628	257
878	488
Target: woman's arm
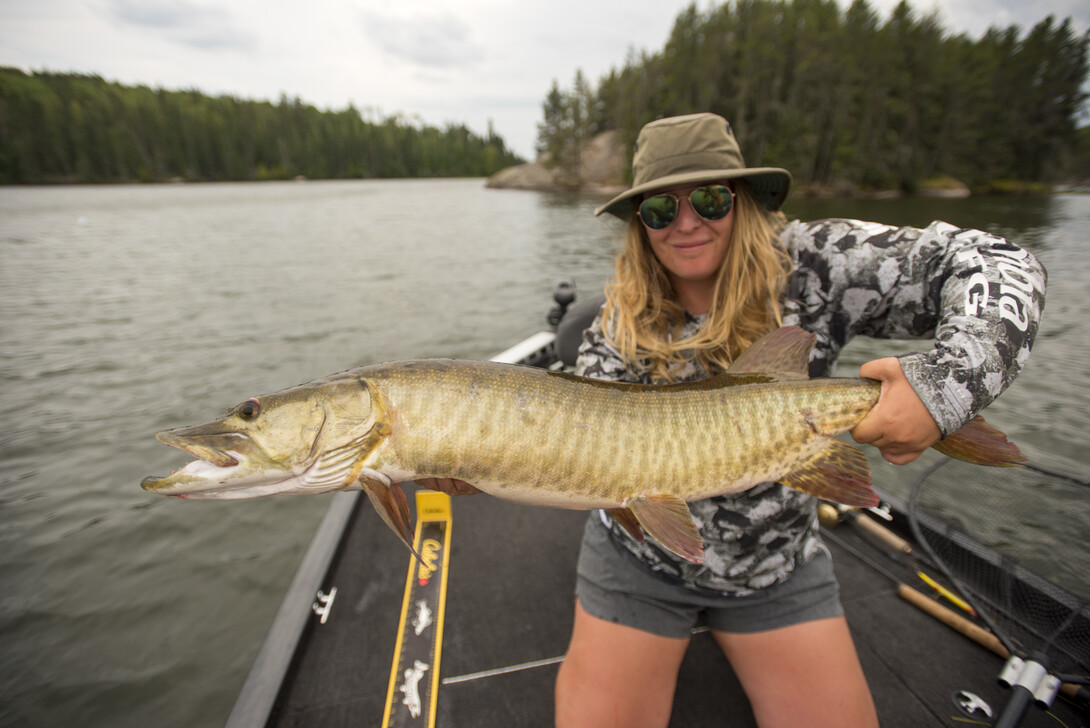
598	359
899	425
978	295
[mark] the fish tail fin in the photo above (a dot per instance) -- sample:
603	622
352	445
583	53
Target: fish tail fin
390	502
667	519
981	444
839	472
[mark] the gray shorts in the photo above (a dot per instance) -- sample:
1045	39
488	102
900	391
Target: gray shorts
613	585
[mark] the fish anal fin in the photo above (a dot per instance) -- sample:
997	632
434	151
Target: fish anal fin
784	352
667	519
981	444
390	502
839	472
628	521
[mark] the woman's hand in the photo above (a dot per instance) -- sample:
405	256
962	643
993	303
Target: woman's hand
899	424
450	486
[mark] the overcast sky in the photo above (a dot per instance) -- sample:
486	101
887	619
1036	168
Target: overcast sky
464	62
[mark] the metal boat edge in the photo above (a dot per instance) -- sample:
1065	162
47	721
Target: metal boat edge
259	692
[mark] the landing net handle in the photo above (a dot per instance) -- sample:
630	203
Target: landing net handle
1028	670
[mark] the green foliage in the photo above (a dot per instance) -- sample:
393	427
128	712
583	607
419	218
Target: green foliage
1079	163
568	121
57	127
842	97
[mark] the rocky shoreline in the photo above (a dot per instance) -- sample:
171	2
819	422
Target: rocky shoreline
601	171
604	166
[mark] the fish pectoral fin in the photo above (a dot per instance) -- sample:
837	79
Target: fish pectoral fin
667	519
627	519
390	502
981	444
839	472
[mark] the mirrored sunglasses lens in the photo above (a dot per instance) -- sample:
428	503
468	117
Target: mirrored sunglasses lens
659	211
712	202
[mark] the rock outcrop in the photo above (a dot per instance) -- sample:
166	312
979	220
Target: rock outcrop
601	170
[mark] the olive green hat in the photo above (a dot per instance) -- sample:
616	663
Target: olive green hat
682	150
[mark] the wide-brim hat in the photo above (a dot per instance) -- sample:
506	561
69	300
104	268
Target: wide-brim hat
681	150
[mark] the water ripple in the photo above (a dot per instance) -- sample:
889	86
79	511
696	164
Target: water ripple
165	305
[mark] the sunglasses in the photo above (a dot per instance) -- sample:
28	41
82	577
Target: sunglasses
711	202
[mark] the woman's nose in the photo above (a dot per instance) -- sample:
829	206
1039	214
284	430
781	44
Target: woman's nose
687	219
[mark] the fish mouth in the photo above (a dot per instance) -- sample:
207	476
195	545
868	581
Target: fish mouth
201	451
199	474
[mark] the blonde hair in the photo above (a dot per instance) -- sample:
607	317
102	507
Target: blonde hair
644	319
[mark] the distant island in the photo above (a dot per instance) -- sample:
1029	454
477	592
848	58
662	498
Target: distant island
851	102
604	171
77	128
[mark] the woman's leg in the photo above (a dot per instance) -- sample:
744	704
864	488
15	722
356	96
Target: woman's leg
615	675
805	674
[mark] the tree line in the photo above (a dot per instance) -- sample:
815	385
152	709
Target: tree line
65	127
842	97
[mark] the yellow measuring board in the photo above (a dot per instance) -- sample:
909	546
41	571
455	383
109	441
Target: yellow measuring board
414	677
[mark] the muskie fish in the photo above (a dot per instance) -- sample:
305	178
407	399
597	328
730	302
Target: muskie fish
548	438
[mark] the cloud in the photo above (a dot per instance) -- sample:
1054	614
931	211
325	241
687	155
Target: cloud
975	17
435	41
208	27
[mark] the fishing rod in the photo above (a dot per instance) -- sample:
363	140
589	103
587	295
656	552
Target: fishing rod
902	552
1028	673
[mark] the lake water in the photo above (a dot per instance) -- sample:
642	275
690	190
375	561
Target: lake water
132	309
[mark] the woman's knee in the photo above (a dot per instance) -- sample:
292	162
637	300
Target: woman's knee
616	675
807	673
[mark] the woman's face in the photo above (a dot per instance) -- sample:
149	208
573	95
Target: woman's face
691	248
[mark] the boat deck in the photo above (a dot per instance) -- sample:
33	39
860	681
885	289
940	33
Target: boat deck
509	604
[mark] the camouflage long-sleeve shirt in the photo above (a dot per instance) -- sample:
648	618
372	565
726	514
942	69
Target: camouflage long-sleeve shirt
978	296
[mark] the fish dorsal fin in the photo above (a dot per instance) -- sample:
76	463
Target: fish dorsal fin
784	353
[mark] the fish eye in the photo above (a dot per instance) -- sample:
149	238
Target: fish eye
248	409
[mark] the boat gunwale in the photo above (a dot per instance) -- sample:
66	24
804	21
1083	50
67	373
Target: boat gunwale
261	689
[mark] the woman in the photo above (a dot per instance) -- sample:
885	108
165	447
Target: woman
708	266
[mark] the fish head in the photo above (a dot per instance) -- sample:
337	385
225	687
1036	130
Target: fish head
305	439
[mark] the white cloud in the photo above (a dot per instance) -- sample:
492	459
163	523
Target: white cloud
202	26
440	41
975	17
470	62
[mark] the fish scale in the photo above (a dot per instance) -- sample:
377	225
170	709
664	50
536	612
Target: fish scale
681	442
548	438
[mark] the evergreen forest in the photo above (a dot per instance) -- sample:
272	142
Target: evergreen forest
847	99
841	96
61	127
